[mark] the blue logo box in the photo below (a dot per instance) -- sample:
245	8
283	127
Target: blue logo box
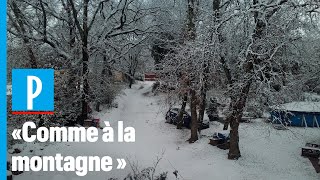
33	90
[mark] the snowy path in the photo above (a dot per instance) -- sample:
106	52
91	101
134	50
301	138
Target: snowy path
267	153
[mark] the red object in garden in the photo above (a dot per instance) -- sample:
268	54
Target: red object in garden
92	123
150	77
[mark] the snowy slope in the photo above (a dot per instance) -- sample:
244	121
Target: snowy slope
266	152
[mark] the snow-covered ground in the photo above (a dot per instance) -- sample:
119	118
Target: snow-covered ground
266	153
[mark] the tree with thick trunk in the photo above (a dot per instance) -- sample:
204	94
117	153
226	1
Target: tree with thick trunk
202	105
190	35
182	110
84	33
234	118
238	101
194	120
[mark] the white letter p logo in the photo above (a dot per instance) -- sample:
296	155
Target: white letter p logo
30	94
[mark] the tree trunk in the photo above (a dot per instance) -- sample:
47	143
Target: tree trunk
194	120
98	107
131	79
190	35
85	60
237	110
191	27
202	107
84	99
32	57
217	19
227	120
130	82
204	89
234	150
234	119
182	109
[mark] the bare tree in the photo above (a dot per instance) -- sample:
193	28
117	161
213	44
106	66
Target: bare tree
81	30
20	26
257	57
190	35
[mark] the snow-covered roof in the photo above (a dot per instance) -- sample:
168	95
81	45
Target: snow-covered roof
299	106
